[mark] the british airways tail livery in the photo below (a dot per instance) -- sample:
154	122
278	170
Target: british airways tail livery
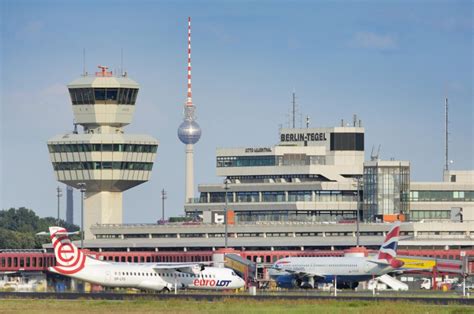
73	262
305	272
388	250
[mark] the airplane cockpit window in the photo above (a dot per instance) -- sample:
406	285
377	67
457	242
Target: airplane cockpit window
233	274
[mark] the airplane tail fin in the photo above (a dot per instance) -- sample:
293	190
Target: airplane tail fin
69	258
388	250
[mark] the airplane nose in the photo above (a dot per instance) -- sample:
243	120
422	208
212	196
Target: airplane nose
240	283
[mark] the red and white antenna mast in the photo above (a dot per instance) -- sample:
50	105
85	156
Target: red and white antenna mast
189	101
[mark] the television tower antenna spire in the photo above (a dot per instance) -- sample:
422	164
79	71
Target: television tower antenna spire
189	100
446	136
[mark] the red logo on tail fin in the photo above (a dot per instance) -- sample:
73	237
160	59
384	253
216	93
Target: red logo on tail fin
69	259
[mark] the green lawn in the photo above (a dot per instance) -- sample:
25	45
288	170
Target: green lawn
225	306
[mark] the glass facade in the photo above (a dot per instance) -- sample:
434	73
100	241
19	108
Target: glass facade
102	165
293	215
385	191
219	197
300	196
116	96
441	196
416	215
75	148
281	196
273	196
347	141
272	160
245	161
247	197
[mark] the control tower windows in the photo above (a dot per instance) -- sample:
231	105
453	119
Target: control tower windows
101	96
75	148
97	165
111	95
127	96
107	147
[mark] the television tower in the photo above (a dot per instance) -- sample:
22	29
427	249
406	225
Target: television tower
189	132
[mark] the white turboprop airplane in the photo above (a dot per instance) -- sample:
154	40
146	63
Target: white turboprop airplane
304	272
72	262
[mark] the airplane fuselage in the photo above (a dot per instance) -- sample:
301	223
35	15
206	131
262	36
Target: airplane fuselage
325	269
143	276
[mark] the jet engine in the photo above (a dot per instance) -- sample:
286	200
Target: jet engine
288	281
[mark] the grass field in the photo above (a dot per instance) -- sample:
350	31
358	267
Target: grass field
225	306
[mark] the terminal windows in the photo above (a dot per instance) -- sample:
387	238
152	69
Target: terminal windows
347	141
273	196
416	215
300	196
246	197
245	161
441	196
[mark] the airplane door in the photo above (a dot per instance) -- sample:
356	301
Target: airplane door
107	276
366	267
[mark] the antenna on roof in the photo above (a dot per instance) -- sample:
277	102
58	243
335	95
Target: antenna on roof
75	127
375	156
294	108
121	62
84	62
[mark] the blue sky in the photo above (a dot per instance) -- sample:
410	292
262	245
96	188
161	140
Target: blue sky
392	63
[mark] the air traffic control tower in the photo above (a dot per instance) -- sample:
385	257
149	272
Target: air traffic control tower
103	160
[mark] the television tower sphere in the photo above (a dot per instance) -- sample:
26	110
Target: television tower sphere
189	132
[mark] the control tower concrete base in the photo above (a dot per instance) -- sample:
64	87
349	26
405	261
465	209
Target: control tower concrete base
102	208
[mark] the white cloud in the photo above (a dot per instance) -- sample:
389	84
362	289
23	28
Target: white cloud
374	41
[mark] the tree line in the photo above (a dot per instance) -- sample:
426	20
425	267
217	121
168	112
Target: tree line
18	228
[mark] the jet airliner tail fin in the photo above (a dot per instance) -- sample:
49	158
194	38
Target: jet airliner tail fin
388	250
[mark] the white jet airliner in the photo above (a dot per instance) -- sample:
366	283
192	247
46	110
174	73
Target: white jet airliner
73	262
304	272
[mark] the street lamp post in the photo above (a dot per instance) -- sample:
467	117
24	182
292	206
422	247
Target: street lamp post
226	188
163	197
82	187
59	194
357	211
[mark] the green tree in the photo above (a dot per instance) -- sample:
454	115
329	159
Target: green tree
18	228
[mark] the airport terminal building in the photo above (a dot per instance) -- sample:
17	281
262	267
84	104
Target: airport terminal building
305	193
319	175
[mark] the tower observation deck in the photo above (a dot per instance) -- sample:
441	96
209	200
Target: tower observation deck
103	157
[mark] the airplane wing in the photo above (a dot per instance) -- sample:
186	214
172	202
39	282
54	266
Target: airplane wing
303	274
191	268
